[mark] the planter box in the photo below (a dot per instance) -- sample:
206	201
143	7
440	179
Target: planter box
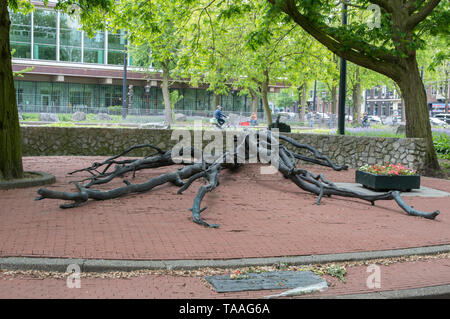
386	182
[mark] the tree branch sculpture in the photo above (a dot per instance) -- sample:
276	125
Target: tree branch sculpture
208	167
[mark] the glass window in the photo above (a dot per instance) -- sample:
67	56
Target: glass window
44	35
138	93
75	96
70	39
94	49
20	35
116	46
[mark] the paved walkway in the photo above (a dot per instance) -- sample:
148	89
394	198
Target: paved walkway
403	279
260	216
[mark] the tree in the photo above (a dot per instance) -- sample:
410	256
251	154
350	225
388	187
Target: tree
10	140
230	50
284	99
359	78
389	49
155	33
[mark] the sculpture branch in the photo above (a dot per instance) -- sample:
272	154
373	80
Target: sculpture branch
209	168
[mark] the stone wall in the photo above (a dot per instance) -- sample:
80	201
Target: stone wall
354	151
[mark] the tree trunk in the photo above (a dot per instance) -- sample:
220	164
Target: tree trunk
254	96
10	140
356	96
216	100
417	118
302	101
265	100
334	102
447	88
166	94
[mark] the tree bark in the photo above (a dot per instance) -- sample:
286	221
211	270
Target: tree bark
10	140
302	91
254	96
417	118
265	100
356	96
166	94
216	100
334	101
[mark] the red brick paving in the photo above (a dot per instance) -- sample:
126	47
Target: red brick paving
260	216
398	276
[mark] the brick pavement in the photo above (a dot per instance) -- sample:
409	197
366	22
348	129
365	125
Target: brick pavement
260	216
397	276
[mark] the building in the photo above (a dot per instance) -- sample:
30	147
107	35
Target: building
69	70
383	102
438	93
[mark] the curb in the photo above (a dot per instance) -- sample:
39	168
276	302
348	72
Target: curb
45	179
432	292
99	265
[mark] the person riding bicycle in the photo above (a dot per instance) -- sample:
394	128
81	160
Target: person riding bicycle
365	121
219	115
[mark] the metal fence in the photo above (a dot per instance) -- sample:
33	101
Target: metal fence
187	117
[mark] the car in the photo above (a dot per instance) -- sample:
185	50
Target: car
319	116
288	115
375	119
437	122
443	117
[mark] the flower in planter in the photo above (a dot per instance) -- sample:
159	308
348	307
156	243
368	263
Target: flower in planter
387	169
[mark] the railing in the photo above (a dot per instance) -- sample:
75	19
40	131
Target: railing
139	115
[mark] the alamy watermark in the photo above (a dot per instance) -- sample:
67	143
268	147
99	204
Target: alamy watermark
74	279
241	147
373	281
375	18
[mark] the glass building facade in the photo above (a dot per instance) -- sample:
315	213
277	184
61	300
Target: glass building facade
70	39
56	38
20	35
34	96
46	34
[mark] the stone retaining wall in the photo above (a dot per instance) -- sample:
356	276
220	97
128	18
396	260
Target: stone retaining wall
354	151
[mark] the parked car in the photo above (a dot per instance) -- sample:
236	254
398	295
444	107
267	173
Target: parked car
443	117
288	115
437	122
373	119
319	116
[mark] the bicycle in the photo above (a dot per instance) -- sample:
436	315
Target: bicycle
226	124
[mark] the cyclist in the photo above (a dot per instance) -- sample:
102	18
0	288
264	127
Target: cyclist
219	116
365	121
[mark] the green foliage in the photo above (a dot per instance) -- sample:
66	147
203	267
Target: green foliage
65	117
24	6
175	97
337	271
30	116
115	109
442	145
284	99
61	124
